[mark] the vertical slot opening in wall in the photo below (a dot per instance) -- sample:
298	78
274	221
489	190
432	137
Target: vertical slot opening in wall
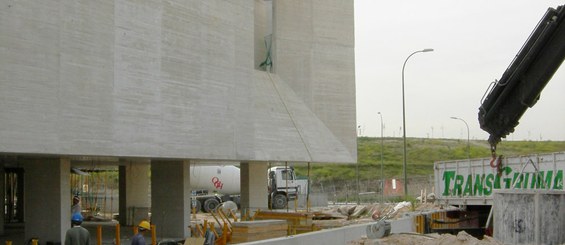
263	35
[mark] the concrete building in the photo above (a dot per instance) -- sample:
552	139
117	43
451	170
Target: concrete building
161	85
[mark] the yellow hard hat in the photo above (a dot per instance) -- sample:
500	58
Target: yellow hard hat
144	225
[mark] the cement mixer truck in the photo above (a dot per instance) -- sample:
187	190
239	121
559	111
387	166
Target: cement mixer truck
212	185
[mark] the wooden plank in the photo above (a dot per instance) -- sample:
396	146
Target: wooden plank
283	214
305	228
247	231
263	236
292	218
260	235
258	223
194	241
260	229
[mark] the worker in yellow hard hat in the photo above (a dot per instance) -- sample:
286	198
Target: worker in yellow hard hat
143	227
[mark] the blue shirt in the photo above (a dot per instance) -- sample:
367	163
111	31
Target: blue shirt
138	239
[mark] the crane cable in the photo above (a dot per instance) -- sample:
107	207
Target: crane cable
290	115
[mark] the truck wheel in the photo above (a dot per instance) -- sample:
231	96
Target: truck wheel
279	201
196	205
210	205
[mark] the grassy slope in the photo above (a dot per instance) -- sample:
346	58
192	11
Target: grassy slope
422	153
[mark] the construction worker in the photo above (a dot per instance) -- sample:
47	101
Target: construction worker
76	208
138	238
77	235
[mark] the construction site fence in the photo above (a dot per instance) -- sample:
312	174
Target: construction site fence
369	190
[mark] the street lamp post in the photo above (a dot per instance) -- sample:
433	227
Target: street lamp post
404	119
382	160
468	145
357	174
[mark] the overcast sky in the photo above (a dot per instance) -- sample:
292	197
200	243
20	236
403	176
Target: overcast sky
474	43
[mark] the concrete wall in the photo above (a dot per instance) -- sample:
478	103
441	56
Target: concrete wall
314	53
175	79
529	216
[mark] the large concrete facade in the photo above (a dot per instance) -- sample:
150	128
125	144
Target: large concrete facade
176	80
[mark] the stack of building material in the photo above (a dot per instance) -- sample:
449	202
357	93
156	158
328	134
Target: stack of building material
247	231
298	222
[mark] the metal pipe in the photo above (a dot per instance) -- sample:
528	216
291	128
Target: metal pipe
308	191
382	160
118	234
99	235
153	235
286	183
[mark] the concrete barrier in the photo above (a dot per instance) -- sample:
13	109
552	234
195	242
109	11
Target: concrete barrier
342	235
529	216
403	225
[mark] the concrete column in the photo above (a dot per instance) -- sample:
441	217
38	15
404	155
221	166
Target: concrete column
2	202
170	198
134	191
47	194
253	186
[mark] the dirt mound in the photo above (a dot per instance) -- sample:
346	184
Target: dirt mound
462	238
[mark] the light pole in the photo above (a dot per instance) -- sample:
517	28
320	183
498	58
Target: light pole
382	160
357	174
358	186
468	145
404	119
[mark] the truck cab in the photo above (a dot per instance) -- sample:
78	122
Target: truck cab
283	186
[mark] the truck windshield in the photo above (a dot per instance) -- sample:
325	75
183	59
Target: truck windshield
286	175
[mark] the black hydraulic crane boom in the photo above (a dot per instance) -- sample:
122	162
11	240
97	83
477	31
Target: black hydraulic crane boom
522	82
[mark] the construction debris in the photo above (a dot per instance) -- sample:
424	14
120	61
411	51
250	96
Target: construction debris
339	216
353	212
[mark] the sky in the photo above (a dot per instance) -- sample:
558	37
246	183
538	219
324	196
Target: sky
473	41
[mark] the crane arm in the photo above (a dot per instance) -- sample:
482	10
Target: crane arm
521	84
